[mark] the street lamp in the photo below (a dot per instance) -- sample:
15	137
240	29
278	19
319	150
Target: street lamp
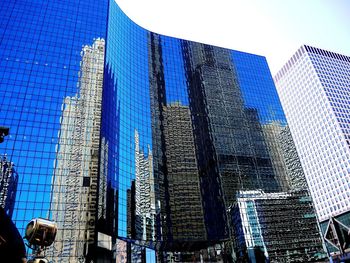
40	234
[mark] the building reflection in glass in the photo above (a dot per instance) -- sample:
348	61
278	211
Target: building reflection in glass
8	185
75	180
217	128
145	210
154	145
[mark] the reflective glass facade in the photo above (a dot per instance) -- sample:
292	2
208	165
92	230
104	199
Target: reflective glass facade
133	142
49	78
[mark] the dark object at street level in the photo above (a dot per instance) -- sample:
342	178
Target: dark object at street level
12	247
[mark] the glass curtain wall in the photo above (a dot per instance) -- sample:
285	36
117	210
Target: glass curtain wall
51	73
133	142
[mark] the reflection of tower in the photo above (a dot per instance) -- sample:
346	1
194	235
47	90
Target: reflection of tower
232	153
272	133
121	249
285	159
158	100
295	174
74	203
8	185
243	160
144	193
102	191
186	212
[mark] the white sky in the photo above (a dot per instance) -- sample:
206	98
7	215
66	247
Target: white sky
272	28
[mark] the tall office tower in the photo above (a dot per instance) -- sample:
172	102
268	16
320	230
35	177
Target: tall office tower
8	185
207	114
73	204
276	227
314	90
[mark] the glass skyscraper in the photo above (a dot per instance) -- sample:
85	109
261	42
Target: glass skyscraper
134	142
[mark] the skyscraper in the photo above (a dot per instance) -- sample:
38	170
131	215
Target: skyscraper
149	158
314	90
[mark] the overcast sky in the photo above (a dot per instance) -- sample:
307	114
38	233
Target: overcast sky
272	28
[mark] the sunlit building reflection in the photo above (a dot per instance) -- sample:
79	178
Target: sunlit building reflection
74	191
8	185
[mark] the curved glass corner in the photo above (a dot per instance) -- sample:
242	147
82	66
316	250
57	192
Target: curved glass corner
134	143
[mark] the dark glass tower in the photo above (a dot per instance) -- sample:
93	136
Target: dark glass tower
132	141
